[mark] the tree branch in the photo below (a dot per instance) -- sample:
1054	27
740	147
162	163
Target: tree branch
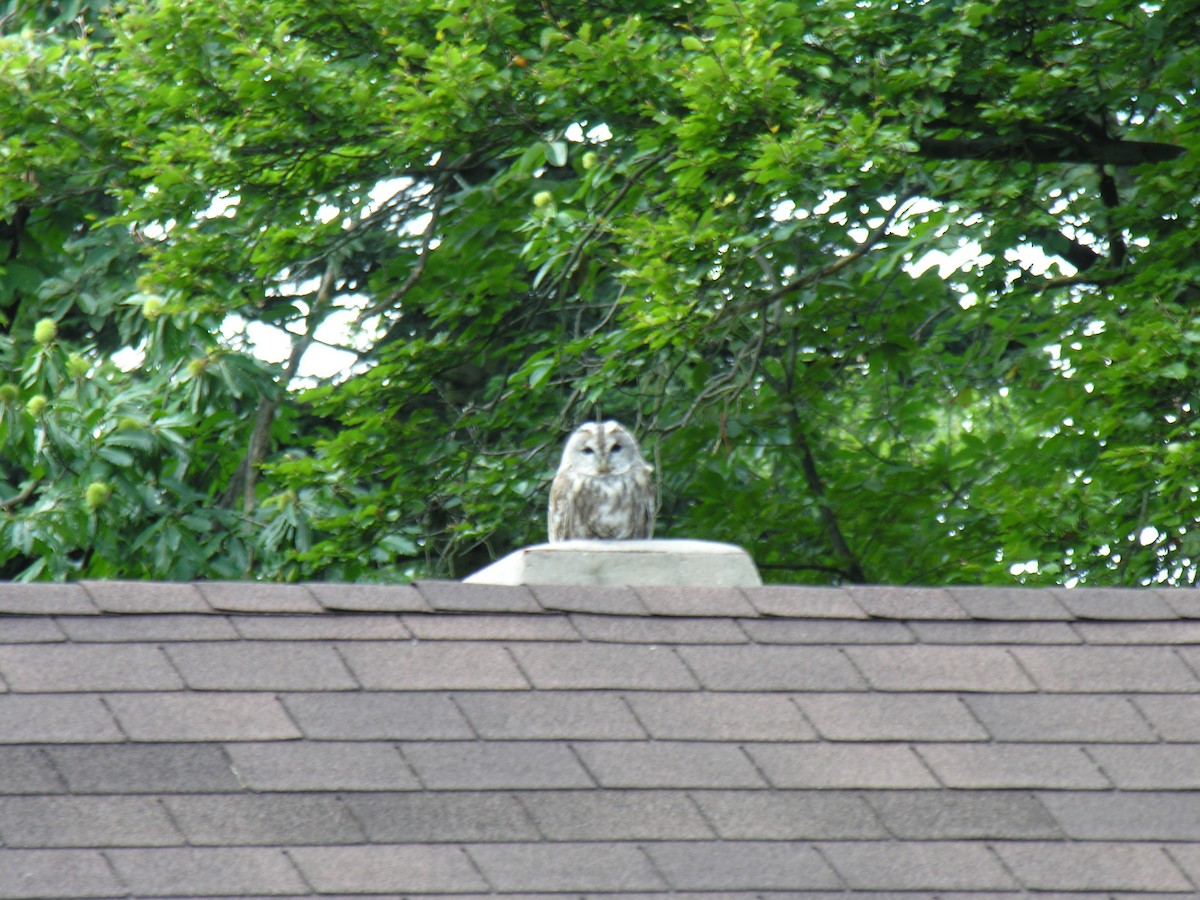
1061	148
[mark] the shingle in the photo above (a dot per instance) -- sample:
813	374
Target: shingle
147	628
264	819
491	627
1010	603
1187	857
610	600
789	815
605	666
957	815
35	874
693	600
744	865
144	768
509	765
202	717
1059	717
658	630
780	668
532	868
377	715
827	631
455	596
51	719
28	630
1150	766
1100	669
27	770
1092	867
626	815
888	602
801	602
1174	718
382	868
85	822
891	717
441	816
1172	632
320	766
729	717
1126	816
74	667
196	871
622	764
564	715
368	597
340	627
841	766
1124	604
927	865
146	597
1182	600
258	597
941	668
1012	766
45	600
261	666
976	632
431	666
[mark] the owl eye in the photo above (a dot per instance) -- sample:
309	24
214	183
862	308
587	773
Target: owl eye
615	448
588	451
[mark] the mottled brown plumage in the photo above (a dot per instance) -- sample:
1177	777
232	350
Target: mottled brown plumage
603	488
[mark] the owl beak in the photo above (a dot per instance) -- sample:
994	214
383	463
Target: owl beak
603	469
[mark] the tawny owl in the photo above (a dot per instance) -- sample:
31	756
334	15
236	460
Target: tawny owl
603	487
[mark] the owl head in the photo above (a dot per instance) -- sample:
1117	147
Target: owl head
602	448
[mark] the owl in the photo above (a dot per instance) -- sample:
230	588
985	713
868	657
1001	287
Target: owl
603	488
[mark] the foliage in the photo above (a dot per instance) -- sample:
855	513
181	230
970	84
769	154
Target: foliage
893	292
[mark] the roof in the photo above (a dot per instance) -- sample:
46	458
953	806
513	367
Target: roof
243	739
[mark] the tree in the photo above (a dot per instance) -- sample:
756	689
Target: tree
715	221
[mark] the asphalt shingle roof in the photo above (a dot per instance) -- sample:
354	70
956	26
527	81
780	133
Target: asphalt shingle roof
249	740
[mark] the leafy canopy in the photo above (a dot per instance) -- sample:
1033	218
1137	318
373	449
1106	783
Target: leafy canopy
893	292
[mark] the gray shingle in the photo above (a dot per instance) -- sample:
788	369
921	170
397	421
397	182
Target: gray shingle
320	766
623	764
533	868
25	630
146	597
454	596
789	815
85	822
1062	717
799	602
197	871
441	816
27	770
467	765
377	715
373	598
1092	867
432	666
48	718
96	667
45	600
258	597
975	632
742	865
826	631
940	668
691	600
603	666
609	600
779	668
1100	669
1010	603
891	717
263	819
661	630
1187	857
928	866
382	868
35	874
1166	633
615	815
1150	766
1012	766
202	717
1124	604
563	715
1123	815
261	666
502	627
323	627
1174	718
841	766
889	602
956	815
144	768
147	628
728	717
